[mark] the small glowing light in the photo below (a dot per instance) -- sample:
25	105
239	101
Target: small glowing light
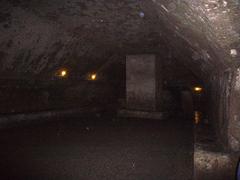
63	73
93	77
198	89
197	117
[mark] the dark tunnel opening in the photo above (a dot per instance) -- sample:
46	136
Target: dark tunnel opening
130	89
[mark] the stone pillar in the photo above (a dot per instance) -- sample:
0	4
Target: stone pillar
141	82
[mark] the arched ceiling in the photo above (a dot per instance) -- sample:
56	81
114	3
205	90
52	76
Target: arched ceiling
209	27
38	37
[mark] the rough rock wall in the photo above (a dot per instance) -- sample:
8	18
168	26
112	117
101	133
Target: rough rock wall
234	113
224	108
40	36
27	100
209	28
211	31
43	35
219	93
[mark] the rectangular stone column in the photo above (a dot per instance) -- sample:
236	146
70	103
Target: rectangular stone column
141	82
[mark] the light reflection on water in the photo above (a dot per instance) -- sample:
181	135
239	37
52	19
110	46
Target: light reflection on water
197	117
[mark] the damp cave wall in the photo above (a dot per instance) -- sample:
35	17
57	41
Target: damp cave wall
223	108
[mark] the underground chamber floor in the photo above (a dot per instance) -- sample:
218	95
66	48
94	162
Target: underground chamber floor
88	148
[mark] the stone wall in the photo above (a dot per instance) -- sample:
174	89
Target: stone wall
234	110
218	98
35	99
223	110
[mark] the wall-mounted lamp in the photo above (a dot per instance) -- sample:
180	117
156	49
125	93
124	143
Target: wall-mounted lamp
62	73
198	89
93	77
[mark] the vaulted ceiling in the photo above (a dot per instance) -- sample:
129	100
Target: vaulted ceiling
38	37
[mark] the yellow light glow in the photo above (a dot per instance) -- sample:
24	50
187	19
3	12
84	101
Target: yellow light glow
63	73
198	89
197	117
93	77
